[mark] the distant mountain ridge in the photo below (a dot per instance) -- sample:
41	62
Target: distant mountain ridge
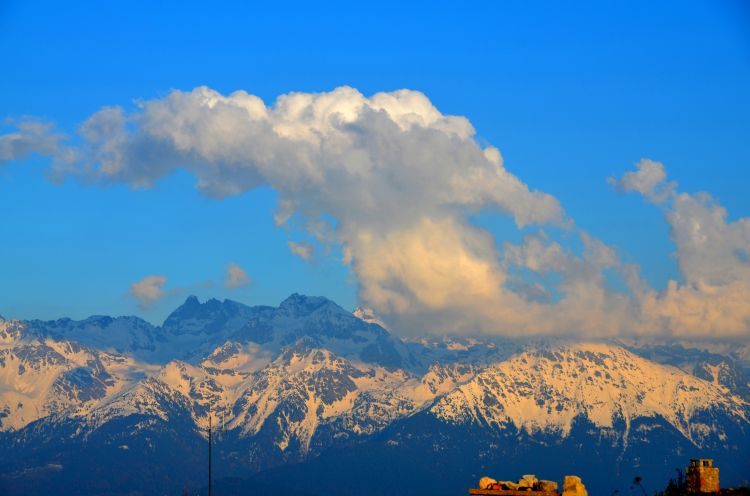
291	386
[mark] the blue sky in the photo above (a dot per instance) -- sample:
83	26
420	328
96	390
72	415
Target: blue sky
570	96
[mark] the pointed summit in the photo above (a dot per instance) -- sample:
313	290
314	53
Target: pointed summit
191	301
187	310
210	316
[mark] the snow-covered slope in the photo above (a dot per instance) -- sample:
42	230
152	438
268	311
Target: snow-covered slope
547	389
296	401
726	364
42	376
130	335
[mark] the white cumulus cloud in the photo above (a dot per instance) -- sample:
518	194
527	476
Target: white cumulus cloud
388	170
393	183
713	297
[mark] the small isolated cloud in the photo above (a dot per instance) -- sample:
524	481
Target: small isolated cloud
303	250
148	291
649	179
236	276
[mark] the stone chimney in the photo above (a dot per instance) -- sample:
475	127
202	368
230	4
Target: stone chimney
702	476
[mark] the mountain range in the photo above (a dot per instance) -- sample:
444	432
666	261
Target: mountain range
311	398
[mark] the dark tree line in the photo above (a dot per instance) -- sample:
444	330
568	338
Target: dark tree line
676	486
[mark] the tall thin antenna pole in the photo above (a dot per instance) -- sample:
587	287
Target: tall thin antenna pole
209	451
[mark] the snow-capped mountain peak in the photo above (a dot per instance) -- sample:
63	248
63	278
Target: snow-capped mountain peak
290	382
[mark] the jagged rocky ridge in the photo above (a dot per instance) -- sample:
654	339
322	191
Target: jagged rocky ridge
292	383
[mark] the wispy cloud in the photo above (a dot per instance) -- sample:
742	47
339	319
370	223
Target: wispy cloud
31	136
236	277
303	250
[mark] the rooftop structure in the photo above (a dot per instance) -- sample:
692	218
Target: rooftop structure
701	476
